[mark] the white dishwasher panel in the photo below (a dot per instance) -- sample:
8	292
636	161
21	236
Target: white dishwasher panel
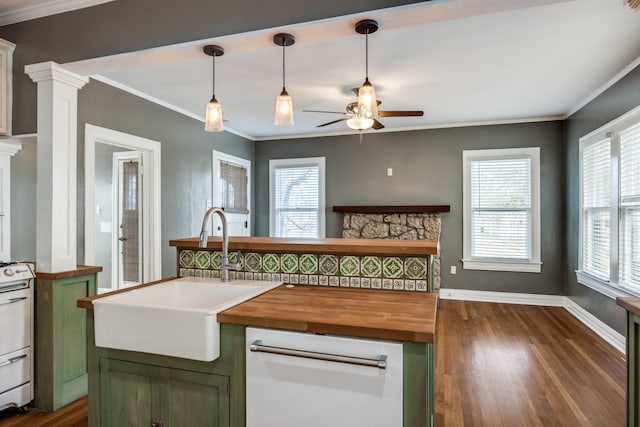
294	391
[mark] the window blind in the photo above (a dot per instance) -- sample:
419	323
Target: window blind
596	173
297	201
629	229
233	188
501	208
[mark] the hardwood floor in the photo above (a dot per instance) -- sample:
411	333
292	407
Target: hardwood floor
518	365
73	415
496	365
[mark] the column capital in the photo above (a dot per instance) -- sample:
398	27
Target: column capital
9	147
45	71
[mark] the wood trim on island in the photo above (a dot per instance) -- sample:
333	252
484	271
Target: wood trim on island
79	271
406	209
328	246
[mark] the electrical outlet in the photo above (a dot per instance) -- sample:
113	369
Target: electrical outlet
389	171
453	269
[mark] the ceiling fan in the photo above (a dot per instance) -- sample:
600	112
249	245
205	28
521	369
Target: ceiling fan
364	113
357	122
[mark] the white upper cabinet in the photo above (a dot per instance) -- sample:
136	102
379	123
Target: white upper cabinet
6	85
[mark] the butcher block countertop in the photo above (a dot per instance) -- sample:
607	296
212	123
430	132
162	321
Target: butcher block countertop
383	314
326	246
631	304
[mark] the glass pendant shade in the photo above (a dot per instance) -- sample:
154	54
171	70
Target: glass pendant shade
284	109
213	117
367	102
360	123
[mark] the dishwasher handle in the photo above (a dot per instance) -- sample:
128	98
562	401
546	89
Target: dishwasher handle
380	362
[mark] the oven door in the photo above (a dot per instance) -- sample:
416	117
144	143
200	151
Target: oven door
15	320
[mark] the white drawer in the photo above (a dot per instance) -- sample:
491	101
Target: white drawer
15	369
16	397
15	320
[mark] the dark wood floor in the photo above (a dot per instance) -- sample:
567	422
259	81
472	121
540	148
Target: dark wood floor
518	365
496	365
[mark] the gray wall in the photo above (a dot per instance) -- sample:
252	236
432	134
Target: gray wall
427	169
23	203
615	101
185	153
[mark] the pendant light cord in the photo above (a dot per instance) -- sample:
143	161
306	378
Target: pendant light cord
283	69
366	54
213	85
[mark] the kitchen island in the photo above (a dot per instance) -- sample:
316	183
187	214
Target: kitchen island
136	388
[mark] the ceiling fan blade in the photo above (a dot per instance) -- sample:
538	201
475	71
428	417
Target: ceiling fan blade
332	122
414	113
323	111
377	125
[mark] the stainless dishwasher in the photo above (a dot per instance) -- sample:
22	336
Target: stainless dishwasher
303	379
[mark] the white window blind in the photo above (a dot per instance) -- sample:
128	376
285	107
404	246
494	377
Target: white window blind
610	207
297	198
596	173
501	208
629	229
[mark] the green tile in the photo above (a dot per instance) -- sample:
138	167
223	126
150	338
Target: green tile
392	268
216	260
308	264
203	260
349	266
289	263
415	268
271	263
370	266
187	259
253	262
329	265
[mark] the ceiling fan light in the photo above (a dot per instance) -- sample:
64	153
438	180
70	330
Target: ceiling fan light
360	123
367	102
284	109
213	117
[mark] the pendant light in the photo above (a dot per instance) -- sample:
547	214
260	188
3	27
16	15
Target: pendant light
213	115
367	102
284	103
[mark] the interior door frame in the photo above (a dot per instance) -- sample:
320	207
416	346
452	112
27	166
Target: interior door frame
153	240
217	156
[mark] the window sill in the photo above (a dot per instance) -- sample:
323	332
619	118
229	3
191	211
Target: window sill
492	265
602	286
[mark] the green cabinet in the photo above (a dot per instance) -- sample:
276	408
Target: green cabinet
135	394
60	340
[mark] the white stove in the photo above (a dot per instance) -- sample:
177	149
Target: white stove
16	338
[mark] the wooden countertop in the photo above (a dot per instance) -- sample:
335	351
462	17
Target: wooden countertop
383	314
80	270
328	246
631	304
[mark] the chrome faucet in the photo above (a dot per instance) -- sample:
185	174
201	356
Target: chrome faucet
226	265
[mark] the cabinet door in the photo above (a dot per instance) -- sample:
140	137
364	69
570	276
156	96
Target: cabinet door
195	399
129	393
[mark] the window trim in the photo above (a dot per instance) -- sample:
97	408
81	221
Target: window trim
610	288
534	264
292	162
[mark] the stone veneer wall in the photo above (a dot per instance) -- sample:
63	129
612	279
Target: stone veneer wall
421	226
411	273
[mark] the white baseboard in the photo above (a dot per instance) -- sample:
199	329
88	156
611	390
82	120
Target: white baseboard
615	339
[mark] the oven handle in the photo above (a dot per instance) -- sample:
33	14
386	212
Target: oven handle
12	300
380	362
12	360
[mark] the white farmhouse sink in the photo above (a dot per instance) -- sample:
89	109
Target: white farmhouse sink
175	318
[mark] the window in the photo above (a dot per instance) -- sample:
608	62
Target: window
610	207
502	209
297	197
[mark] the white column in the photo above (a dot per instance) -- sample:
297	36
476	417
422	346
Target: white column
56	188
8	149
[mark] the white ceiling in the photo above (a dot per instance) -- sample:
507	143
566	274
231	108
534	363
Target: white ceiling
461	61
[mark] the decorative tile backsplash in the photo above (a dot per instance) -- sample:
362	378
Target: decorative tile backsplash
376	272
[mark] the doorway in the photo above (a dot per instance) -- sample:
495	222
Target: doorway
232	191
122	207
127	234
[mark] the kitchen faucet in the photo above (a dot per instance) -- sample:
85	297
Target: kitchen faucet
226	265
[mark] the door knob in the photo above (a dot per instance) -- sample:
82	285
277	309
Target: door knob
122	239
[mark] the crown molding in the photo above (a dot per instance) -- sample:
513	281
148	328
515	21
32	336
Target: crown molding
41	9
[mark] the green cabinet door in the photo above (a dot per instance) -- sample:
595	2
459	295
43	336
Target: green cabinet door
135	394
